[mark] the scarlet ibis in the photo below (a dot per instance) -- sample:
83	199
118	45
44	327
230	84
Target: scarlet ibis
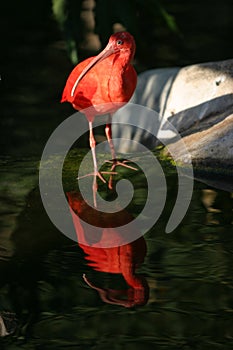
106	82
122	260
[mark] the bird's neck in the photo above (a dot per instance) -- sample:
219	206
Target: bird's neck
122	61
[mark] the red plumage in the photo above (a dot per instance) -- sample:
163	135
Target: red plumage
111	79
105	82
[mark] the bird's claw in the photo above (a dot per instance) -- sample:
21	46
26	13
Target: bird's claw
98	174
95	174
122	163
116	163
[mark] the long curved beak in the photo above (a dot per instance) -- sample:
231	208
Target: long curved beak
109	50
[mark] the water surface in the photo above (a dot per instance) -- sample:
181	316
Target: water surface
188	274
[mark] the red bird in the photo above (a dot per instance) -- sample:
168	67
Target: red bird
106	82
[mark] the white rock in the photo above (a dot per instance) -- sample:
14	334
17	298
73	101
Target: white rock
196	100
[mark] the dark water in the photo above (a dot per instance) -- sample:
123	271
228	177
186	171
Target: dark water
185	300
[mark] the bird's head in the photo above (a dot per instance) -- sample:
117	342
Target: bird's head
121	43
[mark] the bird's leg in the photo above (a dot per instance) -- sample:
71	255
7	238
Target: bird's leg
108	132
94	190
92	143
96	173
114	161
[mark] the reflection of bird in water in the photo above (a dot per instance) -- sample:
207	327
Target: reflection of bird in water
105	83
123	259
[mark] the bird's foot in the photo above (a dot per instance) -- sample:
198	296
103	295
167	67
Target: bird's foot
98	174
115	163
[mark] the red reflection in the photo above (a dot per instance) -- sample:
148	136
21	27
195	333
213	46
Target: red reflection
123	259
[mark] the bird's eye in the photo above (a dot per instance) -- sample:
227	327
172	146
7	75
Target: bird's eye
119	42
